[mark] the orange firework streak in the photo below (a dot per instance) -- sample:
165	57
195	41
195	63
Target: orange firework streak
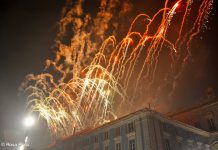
202	14
90	94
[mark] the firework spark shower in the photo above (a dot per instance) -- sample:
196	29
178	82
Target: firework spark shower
94	77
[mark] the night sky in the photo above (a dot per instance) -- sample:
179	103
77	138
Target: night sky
27	32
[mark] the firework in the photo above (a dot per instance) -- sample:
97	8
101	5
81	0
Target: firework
92	80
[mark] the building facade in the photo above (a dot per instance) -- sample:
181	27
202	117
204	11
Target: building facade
142	130
204	117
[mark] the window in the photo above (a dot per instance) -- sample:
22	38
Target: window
180	145
118	146
96	139
117	132
167	144
106	147
190	147
105	135
164	126
87	141
210	120
132	144
130	127
211	124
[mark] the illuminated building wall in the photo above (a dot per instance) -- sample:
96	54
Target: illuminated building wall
142	130
203	117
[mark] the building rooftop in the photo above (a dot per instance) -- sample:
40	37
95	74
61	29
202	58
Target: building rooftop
195	108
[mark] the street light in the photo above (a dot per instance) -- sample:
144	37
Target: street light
21	147
29	121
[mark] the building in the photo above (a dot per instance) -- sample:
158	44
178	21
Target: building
204	116
145	130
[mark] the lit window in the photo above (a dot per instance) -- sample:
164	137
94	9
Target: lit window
118	146
132	144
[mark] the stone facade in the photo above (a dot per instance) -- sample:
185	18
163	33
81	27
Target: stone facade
204	117
142	130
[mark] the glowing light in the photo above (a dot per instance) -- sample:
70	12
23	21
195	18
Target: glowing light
108	92
29	121
177	4
26	139
86	83
115	58
22	147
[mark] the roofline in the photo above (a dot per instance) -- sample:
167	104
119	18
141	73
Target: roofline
112	122
157	114
183	125
214	101
89	130
168	117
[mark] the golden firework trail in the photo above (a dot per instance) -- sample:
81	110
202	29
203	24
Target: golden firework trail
92	80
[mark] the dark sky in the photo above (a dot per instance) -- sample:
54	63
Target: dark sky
27	31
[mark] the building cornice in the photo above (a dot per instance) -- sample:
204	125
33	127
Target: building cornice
182	125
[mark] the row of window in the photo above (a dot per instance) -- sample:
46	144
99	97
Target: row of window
177	132
171	130
210	122
130	128
181	146
131	146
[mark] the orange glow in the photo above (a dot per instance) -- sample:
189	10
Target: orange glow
91	81
115	58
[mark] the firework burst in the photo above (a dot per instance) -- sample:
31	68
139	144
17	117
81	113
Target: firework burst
92	80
